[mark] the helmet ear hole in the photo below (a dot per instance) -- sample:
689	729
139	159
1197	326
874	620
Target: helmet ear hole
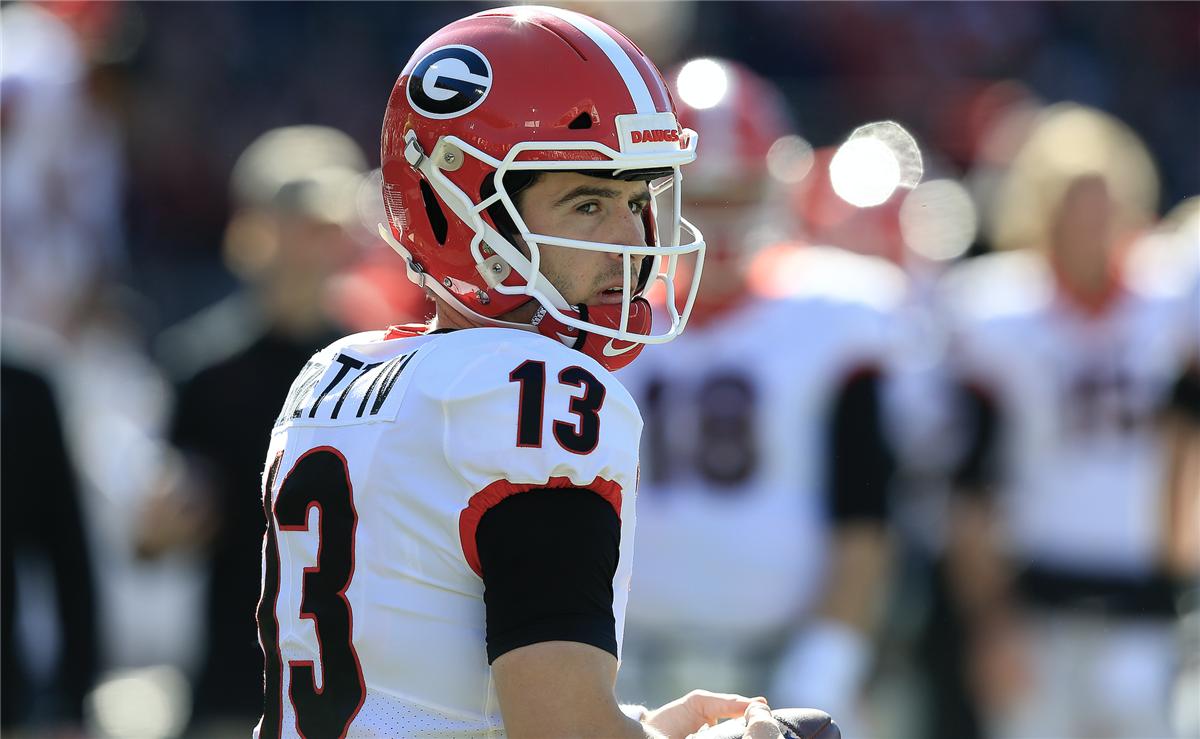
433	209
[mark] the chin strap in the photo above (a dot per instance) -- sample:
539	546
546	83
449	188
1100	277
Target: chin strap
613	354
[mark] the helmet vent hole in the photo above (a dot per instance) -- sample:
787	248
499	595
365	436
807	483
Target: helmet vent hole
583	120
433	209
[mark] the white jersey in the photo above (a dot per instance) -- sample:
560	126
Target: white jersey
384	458
735	452
1081	458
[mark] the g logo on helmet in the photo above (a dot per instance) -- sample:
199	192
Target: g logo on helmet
449	81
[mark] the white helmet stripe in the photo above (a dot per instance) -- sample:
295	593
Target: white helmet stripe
633	79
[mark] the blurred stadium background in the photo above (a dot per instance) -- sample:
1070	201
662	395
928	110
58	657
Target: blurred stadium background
195	83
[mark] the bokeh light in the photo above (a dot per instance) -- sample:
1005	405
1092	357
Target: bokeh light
875	160
702	83
864	172
146	703
789	159
938	220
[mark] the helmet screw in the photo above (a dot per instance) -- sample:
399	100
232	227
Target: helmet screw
497	267
446	281
449	157
482	297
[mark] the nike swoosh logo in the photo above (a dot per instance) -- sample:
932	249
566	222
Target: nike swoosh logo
612	351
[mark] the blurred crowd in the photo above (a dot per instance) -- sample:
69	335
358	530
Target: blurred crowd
945	368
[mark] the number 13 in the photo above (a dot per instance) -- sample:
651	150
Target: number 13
531	407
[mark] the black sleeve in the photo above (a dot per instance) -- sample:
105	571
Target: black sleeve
977	471
548	558
1185	396
863	462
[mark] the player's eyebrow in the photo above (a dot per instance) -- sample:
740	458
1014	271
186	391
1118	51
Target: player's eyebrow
588	191
599	191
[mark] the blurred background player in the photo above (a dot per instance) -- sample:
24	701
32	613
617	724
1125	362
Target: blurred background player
64	165
292	190
290	239
1060	528
53	251
763	416
70	316
1166	265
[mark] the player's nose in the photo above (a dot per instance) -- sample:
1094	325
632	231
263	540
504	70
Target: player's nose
626	229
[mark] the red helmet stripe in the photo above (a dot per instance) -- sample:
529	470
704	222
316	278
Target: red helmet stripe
634	82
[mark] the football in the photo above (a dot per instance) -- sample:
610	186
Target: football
796	723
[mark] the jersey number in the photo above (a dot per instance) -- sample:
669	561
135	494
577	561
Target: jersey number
320	480
581	438
724	451
1104	400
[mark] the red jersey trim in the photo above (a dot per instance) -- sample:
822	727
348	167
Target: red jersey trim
481	502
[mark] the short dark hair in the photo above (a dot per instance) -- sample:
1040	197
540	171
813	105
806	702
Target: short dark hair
515	183
519	181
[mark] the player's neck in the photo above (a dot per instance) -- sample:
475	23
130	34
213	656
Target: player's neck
447	317
1093	297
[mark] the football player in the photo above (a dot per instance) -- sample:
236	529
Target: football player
1058	549
763	417
451	505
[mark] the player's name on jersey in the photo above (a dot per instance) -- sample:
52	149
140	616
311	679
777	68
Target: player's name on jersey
350	389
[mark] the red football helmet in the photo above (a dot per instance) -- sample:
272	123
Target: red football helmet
498	94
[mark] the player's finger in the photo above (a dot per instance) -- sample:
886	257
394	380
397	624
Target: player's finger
759	722
713	706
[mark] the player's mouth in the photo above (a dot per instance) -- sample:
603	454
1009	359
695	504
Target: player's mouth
611	295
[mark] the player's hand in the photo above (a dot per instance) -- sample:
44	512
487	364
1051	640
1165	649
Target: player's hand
998	662
759	723
685	716
182	511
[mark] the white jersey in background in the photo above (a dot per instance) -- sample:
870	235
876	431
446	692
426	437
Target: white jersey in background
1079	397
388	451
1079	479
735	468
